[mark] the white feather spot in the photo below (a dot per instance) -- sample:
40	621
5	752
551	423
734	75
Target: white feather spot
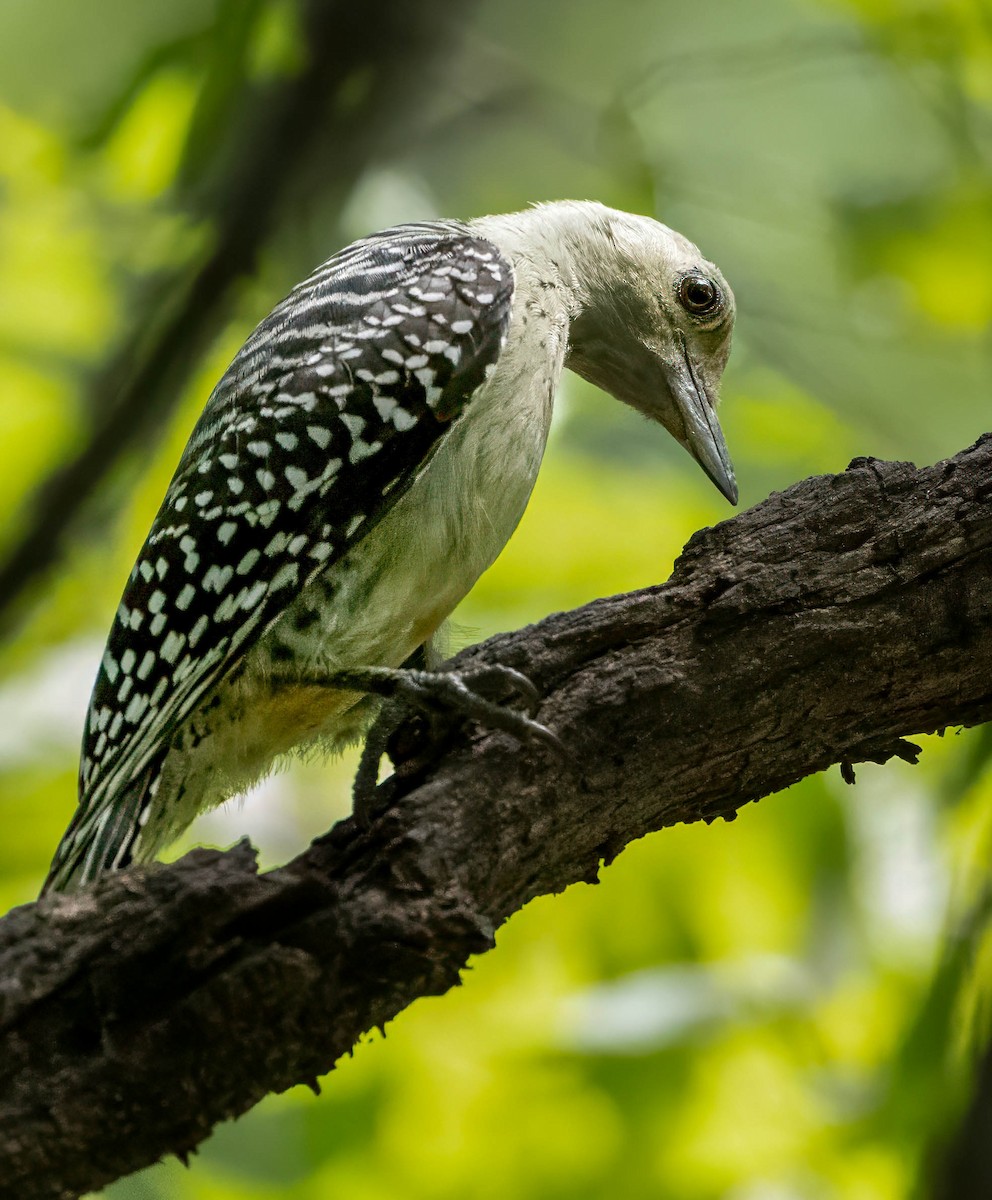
353	423
198	630
267	512
360	450
227	608
384	405
172	645
277	545
249	560
287	574
297	477
249	597
217	578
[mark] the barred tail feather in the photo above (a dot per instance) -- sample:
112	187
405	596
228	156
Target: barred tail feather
102	835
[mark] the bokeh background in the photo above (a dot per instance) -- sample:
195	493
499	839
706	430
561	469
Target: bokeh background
786	1008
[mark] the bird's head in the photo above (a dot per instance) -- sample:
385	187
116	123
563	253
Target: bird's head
653	329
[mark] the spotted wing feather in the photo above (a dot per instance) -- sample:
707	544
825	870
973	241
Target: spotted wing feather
323	420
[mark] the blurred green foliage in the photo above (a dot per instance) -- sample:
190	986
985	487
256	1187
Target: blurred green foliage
778	1009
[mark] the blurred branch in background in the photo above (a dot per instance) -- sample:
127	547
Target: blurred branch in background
961	1155
248	143
819	627
966	1174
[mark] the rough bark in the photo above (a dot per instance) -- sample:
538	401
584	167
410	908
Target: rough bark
820	627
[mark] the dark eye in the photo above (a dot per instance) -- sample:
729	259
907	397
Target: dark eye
699	295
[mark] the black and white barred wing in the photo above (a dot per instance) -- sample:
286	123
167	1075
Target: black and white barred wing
326	416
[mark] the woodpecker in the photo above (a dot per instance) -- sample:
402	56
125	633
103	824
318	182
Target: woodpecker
365	457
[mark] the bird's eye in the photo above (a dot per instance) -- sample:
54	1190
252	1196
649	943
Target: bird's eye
699	295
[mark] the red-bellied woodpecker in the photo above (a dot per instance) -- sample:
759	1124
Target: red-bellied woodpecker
363	460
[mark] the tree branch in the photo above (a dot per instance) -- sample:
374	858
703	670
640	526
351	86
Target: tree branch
820	627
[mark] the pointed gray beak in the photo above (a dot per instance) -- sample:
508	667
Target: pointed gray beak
703	436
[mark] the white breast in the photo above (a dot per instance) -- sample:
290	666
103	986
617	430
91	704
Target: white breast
397	586
393	590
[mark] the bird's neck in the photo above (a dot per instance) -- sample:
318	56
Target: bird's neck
543	250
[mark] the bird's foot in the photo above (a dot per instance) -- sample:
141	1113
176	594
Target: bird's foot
444	699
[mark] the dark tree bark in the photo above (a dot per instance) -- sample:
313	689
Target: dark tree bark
820	627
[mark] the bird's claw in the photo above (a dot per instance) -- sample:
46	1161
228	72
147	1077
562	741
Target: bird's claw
442	696
498	683
479	693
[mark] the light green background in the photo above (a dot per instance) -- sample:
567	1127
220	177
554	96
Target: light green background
778	1009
